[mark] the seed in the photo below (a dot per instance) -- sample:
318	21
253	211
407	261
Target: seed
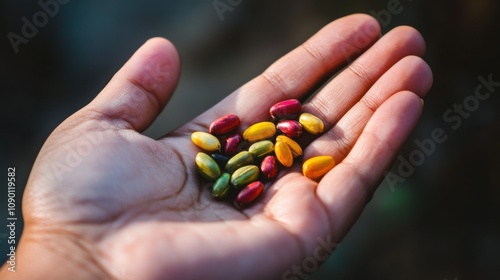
285	109
283	153
207	166
232	144
311	123
220	159
290	128
205	141
224	124
261	148
244	176
315	167
241	159
269	167
249	193
294	146
259	131
221	187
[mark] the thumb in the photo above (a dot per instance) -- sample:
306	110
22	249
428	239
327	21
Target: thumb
140	89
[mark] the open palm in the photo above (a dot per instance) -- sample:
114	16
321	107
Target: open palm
109	202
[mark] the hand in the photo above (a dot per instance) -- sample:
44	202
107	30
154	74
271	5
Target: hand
104	201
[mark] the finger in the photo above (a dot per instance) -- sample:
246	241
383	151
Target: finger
411	74
338	96
140	89
298	72
347	188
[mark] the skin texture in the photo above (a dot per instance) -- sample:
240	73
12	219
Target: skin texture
105	202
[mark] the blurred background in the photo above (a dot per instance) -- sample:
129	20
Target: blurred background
440	222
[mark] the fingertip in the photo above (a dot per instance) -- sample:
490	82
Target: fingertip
415	41
141	88
155	67
419	74
367	20
366	26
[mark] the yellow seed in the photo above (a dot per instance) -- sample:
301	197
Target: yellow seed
315	167
294	146
283	153
311	123
206	141
259	131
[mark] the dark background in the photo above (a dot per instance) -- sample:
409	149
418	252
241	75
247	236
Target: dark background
442	222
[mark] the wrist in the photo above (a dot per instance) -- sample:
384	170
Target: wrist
48	256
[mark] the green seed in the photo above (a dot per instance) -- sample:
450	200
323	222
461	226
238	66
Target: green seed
245	175
240	159
261	148
207	166
221	186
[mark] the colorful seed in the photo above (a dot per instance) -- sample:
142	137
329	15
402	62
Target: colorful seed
232	144
261	148
207	166
311	123
241	159
224	124
249	193
205	141
283	153
259	131
220	159
290	128
269	167
315	167
294	146
221	187
244	176
285	109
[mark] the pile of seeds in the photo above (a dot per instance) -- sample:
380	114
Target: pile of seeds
244	161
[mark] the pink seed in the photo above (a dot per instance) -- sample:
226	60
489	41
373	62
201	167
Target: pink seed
232	144
285	109
269	167
224	124
249	193
290	128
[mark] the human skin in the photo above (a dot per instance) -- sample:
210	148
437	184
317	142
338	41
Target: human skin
134	207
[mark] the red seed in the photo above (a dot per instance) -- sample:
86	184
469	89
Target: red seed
285	109
269	167
249	193
290	128
224	124
232	144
